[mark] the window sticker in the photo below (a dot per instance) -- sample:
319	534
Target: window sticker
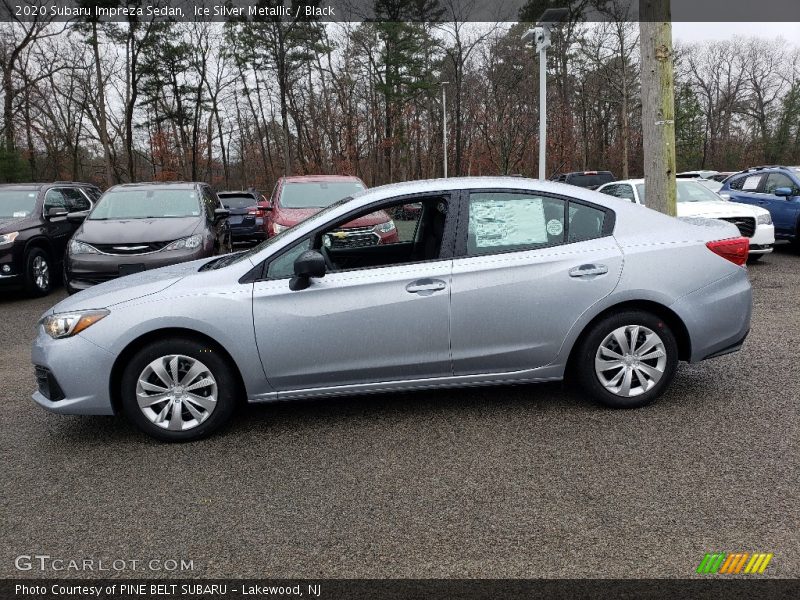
19	214
508	222
554	227
751	183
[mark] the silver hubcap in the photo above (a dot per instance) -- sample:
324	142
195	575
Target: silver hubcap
41	273
630	361
176	392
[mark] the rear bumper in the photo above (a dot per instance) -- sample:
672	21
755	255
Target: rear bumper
763	239
717	316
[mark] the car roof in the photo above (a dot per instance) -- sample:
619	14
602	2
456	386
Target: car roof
310	178
183	185
36	186
238	193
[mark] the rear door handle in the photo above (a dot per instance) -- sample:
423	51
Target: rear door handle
588	270
425	287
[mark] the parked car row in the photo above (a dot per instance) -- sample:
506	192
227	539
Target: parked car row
73	230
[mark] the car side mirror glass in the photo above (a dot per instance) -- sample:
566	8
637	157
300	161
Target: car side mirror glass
221	213
57	211
783	191
309	264
78	217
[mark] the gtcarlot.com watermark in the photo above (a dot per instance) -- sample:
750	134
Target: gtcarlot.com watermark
47	563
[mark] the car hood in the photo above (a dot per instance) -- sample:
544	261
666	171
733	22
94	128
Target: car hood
135	231
9	225
717	209
130	287
293	216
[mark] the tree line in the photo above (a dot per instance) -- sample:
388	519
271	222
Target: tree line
238	104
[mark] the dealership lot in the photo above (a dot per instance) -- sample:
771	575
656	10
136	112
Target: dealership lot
492	482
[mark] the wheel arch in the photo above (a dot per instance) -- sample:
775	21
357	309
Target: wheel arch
675	323
124	357
41	243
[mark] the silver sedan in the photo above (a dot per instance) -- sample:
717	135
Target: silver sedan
471	281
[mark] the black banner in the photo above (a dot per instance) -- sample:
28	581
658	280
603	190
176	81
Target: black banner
407	589
388	10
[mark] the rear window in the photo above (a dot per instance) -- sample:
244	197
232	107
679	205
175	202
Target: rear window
237	201
583	180
317	194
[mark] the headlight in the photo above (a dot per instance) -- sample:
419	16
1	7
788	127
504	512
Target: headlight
384	227
8	238
64	325
185	243
764	219
76	247
278	228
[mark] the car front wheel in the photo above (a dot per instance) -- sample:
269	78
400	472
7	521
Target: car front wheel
178	390
38	273
627	360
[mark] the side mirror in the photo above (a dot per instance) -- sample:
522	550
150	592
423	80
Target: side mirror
56	212
309	264
783	191
221	213
77	217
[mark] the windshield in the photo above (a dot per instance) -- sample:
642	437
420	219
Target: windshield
589	180
146	204
237	200
17	204
317	194
230	259
688	191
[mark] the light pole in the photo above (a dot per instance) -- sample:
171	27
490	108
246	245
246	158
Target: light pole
541	36
444	125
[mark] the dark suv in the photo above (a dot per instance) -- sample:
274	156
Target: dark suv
139	226
585	179
775	188
34	230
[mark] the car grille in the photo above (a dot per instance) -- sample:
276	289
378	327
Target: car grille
130	249
47	384
354	237
746	225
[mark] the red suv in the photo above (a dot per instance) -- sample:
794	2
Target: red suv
297	198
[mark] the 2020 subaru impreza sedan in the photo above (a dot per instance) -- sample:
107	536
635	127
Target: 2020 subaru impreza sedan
491	280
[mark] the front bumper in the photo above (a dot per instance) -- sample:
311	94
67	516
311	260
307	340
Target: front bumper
80	370
763	239
86	270
11	266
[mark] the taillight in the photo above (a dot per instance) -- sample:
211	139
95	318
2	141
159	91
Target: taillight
255	210
732	249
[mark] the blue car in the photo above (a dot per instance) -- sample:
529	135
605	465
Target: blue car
775	188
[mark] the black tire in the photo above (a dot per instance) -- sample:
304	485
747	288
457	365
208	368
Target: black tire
216	363
584	359
38	273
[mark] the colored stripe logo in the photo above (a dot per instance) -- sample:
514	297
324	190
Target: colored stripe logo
733	563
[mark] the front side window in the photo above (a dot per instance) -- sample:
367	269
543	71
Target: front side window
146	204
282	267
778	180
505	221
54	199
76	201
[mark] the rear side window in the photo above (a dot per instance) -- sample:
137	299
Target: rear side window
585	222
749	183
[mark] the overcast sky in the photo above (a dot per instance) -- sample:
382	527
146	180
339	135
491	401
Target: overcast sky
697	32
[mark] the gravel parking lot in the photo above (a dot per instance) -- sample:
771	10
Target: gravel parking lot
529	481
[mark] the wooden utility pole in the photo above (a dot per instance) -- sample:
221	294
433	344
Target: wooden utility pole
658	104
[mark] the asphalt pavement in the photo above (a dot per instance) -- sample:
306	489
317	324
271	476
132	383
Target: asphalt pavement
500	482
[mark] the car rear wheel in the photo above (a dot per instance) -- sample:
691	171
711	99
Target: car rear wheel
178	390
38	273
627	360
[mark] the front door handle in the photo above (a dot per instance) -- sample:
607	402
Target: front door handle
588	270
425	287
